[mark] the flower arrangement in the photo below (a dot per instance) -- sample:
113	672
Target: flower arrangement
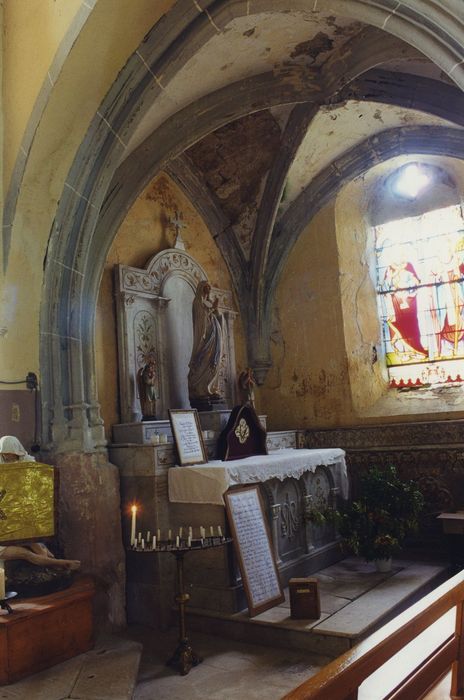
386	510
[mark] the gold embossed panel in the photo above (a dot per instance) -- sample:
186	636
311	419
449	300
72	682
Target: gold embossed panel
27	501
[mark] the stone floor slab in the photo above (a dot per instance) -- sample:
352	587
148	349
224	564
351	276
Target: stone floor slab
363	613
54	683
108	672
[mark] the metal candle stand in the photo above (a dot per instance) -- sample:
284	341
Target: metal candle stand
183	657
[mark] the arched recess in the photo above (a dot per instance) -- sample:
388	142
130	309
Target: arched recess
73	271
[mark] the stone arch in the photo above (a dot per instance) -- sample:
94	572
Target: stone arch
72	272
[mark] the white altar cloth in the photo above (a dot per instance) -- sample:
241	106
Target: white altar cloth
206	483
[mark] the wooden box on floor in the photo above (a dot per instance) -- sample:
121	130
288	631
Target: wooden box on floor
304	599
45	631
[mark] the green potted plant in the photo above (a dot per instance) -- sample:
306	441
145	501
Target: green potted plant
385	511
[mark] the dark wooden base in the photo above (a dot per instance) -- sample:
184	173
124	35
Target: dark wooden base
41	632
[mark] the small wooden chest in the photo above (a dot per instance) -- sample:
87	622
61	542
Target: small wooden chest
45	631
304	599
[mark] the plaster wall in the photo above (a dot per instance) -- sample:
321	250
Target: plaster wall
144	232
372	398
307	384
111	33
33	31
325	329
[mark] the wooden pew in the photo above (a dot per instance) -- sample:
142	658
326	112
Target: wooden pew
341	679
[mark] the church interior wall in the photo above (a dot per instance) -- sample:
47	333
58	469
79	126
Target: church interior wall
319	378
33	32
144	232
328	362
306	385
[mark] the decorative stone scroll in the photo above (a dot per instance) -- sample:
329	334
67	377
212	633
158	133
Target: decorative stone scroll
154	320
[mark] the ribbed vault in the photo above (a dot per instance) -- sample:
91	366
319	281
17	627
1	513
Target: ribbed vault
105	177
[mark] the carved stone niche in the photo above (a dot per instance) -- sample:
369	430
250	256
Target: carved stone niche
154	317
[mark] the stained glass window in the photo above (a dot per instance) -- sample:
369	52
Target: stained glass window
420	285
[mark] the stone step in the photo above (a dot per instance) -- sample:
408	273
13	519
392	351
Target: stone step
355	601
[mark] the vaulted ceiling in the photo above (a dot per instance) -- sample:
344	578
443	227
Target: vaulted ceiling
261	110
304	94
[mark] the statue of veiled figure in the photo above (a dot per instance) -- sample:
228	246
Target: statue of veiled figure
204	365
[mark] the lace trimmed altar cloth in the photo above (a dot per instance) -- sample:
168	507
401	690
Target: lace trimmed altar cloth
206	483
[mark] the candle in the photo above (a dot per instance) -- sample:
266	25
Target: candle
202	531
177	541
155	439
219	531
169	535
190	531
211	531
2	581
140	536
154	542
158	534
189	541
133	524
180	532
163	439
148	536
143	543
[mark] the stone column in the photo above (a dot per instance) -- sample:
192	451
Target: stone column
90	528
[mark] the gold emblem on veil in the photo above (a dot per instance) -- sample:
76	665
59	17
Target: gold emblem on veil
242	431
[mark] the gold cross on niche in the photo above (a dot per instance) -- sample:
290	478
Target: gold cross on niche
3	515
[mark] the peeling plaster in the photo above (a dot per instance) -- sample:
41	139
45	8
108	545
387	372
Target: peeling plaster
234	161
255	44
335	129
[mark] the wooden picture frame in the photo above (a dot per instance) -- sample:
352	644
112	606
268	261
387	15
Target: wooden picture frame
253	547
186	430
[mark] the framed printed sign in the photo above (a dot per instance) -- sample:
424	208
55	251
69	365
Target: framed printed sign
253	547
186	430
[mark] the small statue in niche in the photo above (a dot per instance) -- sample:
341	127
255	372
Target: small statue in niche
204	365
247	383
147	383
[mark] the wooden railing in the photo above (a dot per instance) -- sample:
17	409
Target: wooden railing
341	678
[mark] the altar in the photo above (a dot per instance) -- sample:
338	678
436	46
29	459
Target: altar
292	483
176	348
207	483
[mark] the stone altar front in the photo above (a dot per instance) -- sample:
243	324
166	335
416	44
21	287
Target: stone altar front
301	547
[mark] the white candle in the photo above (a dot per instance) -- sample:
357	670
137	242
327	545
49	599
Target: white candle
189	541
143	543
154	542
133	524
169	534
211	531
190	531
2	580
148	536
177	541
140	536
202	531
219	531
181	529
158	534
